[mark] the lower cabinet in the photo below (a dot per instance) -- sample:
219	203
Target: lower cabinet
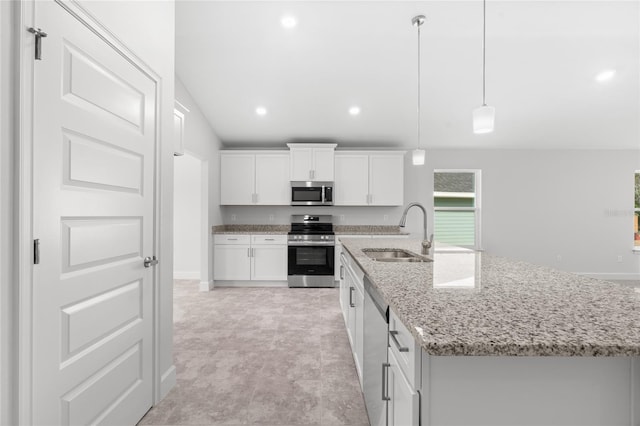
352	304
403	407
250	257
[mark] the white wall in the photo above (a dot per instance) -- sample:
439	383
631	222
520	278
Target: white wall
201	142
187	217
541	204
8	84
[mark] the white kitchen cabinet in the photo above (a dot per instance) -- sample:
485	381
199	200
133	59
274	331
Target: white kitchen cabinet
231	260
369	179
254	178
351	186
352	303
403	408
268	258
250	257
311	162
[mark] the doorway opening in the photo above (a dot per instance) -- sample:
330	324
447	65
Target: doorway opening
190	220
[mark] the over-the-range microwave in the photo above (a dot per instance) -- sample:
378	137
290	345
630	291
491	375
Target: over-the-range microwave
311	193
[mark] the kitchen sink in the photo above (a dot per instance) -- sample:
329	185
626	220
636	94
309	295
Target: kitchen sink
394	255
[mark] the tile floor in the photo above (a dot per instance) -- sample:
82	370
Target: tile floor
260	356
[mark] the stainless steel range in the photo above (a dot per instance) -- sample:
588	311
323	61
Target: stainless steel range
311	244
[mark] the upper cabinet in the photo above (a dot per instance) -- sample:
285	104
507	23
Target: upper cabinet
311	162
369	178
254	178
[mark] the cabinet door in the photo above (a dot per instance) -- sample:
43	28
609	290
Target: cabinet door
323	164
404	401
344	291
351	180
272	179
358	297
301	163
237	177
269	263
231	262
386	179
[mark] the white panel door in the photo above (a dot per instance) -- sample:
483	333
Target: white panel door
269	263
351	180
237	177
272	179
301	164
323	164
386	179
94	148
231	262
404	401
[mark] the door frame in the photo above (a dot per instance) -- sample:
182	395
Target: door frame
24	192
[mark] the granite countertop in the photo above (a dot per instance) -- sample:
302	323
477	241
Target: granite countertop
471	303
283	229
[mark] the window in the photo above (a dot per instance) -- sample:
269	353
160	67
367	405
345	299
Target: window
636	215
457	207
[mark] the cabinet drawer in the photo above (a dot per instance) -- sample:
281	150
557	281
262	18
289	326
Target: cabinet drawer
231	239
405	349
269	239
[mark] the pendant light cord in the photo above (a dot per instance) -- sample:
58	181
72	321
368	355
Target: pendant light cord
418	85
484	55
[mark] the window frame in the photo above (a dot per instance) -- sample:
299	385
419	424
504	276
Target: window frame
477	209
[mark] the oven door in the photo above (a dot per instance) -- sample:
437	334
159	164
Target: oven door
311	260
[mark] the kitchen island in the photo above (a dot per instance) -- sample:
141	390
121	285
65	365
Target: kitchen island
508	342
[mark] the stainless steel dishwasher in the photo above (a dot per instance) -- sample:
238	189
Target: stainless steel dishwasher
376	341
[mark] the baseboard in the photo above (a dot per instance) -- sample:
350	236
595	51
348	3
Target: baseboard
206	285
167	382
186	275
611	275
226	283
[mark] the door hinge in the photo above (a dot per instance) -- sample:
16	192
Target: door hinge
36	251
39	36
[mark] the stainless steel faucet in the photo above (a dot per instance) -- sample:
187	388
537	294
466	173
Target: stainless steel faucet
426	242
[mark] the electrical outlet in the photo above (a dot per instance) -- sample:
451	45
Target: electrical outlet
233	218
558	258
385	217
620	258
341	218
271	218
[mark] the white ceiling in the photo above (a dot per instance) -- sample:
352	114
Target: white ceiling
542	57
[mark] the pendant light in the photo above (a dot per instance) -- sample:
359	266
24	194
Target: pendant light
484	116
418	154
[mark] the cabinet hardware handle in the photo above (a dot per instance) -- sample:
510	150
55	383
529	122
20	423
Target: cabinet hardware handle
351	297
342	272
384	381
269	239
401	348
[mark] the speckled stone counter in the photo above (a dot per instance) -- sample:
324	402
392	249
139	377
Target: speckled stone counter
283	229
470	303
368	230
250	229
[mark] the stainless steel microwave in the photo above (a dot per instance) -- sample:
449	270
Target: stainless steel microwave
311	193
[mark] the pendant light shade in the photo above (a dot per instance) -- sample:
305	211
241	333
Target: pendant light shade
418	154
418	157
484	116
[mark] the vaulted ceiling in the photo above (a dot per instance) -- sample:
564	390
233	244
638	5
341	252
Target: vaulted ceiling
542	59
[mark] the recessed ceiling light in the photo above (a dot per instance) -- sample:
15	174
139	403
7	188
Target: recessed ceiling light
354	110
288	21
261	110
605	75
